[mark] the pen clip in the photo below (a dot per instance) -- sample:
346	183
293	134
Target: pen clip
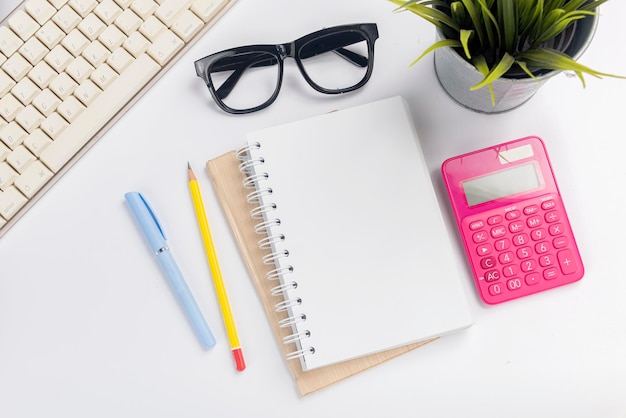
153	215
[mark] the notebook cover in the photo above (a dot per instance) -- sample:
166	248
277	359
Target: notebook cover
227	180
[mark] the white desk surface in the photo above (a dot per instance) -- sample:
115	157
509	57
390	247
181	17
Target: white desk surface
89	327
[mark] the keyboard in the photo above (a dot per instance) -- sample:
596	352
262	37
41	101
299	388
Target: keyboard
69	69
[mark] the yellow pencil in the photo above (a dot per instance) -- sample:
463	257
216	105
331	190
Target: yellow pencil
220	289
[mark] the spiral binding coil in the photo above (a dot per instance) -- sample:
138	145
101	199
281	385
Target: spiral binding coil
254	180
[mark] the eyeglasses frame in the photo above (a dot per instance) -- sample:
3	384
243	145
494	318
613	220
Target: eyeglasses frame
280	52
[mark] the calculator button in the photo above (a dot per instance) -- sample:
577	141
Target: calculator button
524	252
534	221
528	265
531	210
495	289
510	270
498	231
514	284
494	220
488	262
514	214
553	216
475	225
556	229
546	260
502	244
492	275
538	234
566	261
550	274
483	249
532	278
520	239
560	242
542	247
480	236
516	226
548	204
506	257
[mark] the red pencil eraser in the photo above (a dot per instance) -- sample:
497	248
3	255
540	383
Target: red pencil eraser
239	361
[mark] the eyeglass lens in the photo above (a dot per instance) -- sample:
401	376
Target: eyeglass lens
333	63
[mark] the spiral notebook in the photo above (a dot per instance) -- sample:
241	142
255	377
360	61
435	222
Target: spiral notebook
355	256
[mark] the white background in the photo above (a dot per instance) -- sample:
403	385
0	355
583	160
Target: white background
89	327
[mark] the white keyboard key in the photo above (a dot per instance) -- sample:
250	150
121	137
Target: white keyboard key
40	10
151	28
33	179
136	44
170	9
108	11
66	19
7	175
4	150
124	3
187	25
70	109
37	142
59	58
75	42
9	41
112	37
11	200
79	69
17	67
42	74
9	106
165	47
119	60
87	92
20	158
29	118
63	85
91	26
46	102
50	34
58	3
103	76
120	92
96	53
12	135
143	8
33	50
2	58
54	125
25	90
128	22
206	9
83	7
23	25
6	83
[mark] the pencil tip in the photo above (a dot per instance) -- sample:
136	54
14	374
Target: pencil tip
188	165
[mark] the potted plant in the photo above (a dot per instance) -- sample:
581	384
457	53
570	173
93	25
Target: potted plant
493	55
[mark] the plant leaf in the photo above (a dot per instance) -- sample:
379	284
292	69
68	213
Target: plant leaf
439	44
551	59
508	21
481	65
496	72
465	36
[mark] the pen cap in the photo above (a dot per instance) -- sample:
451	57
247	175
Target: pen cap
147	220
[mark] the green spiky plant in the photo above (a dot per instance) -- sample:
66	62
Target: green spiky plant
499	37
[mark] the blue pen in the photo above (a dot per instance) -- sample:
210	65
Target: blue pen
153	231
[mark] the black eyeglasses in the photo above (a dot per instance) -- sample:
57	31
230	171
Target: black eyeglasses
333	61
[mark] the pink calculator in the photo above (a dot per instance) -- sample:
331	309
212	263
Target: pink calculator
511	217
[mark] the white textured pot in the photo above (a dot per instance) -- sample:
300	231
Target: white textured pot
456	75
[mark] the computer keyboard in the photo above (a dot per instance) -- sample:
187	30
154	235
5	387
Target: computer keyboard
69	69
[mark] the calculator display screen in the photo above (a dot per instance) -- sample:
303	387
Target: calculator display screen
504	183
